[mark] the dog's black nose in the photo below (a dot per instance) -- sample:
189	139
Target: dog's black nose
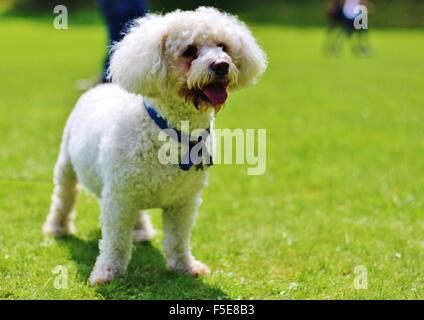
220	68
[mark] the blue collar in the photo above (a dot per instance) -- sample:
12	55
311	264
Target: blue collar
183	138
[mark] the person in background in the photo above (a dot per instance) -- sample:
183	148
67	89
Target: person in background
117	14
334	15
341	16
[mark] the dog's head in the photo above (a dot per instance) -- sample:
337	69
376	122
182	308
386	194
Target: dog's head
196	56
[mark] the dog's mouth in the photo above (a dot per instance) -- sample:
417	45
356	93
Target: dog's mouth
211	95
216	93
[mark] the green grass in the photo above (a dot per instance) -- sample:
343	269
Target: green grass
343	186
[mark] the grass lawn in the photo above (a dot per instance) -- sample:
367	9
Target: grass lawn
343	186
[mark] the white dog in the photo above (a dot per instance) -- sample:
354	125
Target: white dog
182	64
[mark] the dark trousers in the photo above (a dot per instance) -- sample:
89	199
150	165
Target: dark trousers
117	15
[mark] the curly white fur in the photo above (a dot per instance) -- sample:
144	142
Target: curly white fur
110	144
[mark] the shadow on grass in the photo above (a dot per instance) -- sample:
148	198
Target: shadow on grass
147	276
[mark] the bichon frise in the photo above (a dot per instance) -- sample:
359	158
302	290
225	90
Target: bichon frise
167	69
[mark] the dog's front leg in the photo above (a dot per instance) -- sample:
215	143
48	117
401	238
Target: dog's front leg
118	216
177	222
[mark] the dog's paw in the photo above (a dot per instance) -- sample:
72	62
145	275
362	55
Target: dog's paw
96	280
103	275
198	268
195	268
58	230
144	234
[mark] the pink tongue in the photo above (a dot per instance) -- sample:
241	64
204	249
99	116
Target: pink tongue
217	94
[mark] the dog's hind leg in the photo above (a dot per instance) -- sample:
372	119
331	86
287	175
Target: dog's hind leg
62	213
143	229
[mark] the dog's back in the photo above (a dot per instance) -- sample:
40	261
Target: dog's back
101	123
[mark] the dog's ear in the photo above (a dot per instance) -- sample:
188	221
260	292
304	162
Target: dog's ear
252	59
137	62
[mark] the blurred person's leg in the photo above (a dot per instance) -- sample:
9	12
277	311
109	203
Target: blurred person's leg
117	15
351	35
358	39
334	41
335	32
363	45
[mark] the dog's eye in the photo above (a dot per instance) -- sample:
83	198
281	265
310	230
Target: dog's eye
223	46
190	52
